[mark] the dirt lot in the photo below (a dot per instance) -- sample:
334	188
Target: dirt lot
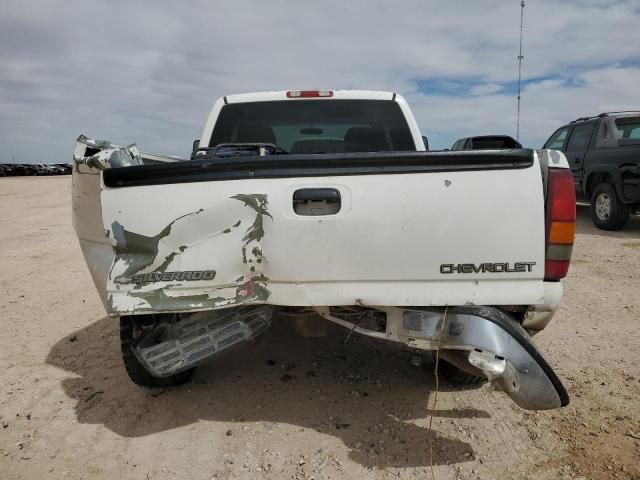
291	407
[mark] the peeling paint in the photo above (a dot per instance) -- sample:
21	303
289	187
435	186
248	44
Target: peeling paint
253	288
249	288
257	254
168	259
158	300
550	156
259	203
139	251
110	307
135	252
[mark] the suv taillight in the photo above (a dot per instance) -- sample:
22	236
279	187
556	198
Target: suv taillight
560	223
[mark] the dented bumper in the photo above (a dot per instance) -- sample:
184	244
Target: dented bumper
491	341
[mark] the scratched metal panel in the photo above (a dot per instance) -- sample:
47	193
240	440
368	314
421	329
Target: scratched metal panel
386	244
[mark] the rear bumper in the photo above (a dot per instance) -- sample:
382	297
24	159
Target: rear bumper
539	316
180	298
493	342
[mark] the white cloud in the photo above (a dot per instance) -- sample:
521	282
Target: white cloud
546	105
149	73
485	89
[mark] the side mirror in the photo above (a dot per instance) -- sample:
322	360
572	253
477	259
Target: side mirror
196	144
425	140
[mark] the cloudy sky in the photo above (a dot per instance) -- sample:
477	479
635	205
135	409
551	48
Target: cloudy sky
149	71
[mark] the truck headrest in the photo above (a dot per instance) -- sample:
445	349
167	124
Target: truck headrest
254	133
365	139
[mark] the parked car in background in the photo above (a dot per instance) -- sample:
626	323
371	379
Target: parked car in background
17	169
25	169
13	169
64	168
486	142
604	155
31	169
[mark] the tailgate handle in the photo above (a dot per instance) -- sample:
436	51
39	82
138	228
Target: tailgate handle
316	201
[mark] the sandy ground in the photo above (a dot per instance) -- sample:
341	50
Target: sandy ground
291	407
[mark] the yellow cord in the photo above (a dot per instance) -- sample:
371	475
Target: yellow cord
435	397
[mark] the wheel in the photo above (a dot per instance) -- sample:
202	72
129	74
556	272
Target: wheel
607	212
136	371
455	375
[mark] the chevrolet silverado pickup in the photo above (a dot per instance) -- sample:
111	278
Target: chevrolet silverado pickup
326	203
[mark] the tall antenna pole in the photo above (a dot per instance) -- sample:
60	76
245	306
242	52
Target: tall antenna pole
520	58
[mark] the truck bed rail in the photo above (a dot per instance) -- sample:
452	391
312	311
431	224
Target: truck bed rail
316	165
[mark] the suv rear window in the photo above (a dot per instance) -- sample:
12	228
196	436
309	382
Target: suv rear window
618	131
316	126
628	128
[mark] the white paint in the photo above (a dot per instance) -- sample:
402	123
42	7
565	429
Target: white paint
385	247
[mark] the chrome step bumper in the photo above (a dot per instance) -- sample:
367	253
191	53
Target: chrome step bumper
495	344
173	347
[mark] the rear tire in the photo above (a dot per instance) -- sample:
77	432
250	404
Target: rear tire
607	212
136	371
456	376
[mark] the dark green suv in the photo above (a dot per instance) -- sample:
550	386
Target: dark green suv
604	154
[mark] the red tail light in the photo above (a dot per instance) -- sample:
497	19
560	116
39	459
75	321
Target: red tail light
309	93
560	223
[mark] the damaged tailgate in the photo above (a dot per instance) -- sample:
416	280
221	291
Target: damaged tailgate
400	229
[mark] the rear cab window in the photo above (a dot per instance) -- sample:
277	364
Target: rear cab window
316	126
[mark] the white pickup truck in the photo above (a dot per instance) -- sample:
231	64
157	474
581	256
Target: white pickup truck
326	203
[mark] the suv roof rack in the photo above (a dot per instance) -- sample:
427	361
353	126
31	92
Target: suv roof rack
604	114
